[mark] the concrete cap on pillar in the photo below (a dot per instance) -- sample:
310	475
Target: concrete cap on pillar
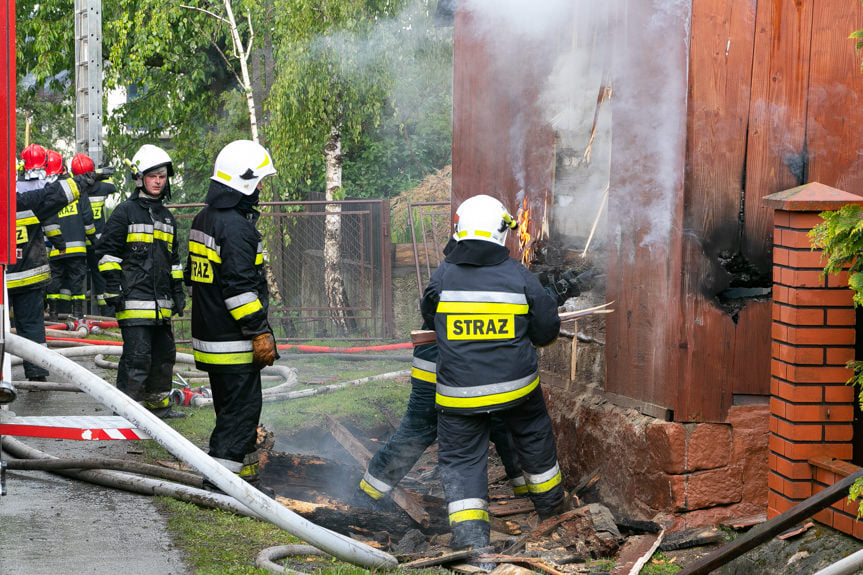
811	197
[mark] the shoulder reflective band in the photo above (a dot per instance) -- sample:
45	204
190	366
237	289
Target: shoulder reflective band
204	245
485	395
424	370
480	326
467	510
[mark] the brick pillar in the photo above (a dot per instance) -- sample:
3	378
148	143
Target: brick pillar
813	333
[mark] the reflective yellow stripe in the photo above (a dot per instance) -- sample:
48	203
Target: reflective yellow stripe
137	314
423	375
248	309
224	358
519	489
164	236
468	515
486	400
28	281
259	259
177	274
481	307
140	237
370	491
52	233
75	250
249	470
202	250
27	221
109	266
546	485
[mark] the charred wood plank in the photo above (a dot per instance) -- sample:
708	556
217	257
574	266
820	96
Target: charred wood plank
363	456
761	533
505	508
445	558
544	529
535	562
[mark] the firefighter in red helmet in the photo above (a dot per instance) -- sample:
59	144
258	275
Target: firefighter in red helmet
66	292
81	164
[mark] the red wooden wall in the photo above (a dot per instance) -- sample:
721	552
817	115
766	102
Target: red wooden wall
750	98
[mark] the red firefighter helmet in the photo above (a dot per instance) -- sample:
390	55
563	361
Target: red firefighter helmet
35	157
55	164
81	164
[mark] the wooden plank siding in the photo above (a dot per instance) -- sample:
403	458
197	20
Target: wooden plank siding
720	72
761	96
645	206
834	124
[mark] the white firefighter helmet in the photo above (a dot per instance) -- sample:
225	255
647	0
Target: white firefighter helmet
483	218
241	165
149	157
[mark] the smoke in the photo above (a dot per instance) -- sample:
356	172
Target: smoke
582	52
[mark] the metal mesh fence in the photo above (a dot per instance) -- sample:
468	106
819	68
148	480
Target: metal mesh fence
294	242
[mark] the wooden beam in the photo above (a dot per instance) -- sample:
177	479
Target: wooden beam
363	456
758	535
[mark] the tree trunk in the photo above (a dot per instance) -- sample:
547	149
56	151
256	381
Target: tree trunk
337	296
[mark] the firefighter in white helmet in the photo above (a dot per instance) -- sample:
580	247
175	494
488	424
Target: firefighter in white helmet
489	312
139	258
231	336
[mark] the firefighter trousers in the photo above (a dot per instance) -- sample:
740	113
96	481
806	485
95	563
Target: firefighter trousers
147	363
463	455
419	429
28	308
67	281
237	400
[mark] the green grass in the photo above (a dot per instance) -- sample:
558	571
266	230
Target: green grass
660	565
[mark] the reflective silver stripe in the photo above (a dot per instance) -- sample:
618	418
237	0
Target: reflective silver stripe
466	504
222	346
106	259
206	240
242	299
64	291
424	365
67	187
542	477
177	268
518	481
24	214
377	483
232	466
97	199
90	227
27	273
260	248
50	227
139	304
139	229
165	303
483	390
76	245
484	296
168	228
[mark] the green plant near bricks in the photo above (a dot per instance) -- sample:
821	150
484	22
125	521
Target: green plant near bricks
840	238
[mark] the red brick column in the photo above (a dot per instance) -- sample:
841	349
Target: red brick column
813	334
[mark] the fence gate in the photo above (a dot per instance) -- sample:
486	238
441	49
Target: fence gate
294	236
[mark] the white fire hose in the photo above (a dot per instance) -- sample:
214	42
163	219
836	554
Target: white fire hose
333	543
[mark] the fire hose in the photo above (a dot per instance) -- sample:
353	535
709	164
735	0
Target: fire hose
336	544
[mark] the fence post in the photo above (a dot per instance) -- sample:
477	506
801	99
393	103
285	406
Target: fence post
386	269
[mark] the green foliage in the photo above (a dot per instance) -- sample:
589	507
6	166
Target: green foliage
660	565
840	238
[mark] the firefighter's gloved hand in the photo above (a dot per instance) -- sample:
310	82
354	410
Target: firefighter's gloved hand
179	300
264	349
84	181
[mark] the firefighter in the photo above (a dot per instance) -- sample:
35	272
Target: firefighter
37	203
489	312
69	267
81	164
139	259
231	336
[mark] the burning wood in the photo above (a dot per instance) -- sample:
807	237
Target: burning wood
523	231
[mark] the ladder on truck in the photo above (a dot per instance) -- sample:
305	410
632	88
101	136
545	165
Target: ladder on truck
88	79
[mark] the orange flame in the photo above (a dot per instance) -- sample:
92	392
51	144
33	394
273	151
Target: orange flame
523	219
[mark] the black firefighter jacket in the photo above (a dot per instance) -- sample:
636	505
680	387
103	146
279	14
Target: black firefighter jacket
36	213
139	259
488	311
76	225
225	271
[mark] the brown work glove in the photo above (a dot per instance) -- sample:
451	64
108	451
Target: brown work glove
265	349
